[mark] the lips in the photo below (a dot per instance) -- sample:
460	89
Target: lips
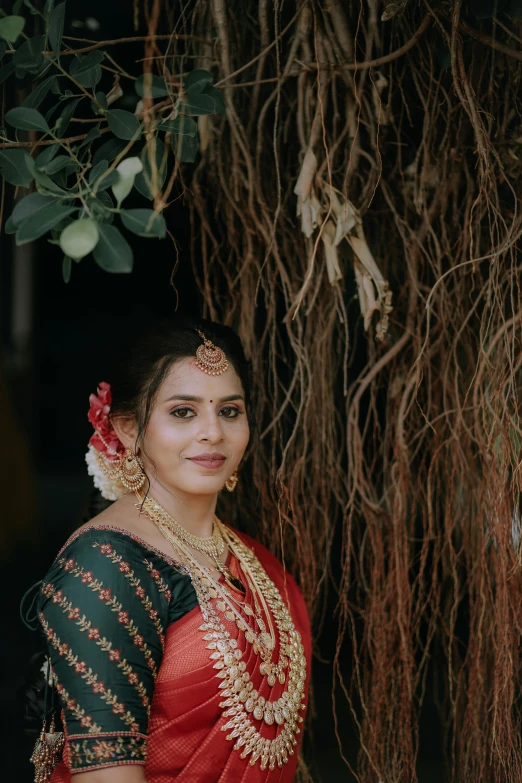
211	461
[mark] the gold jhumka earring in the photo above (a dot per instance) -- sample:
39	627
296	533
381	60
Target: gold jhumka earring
131	472
127	468
231	482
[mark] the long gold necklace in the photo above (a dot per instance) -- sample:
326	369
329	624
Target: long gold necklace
243	705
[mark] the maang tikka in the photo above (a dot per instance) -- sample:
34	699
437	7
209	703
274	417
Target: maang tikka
209	358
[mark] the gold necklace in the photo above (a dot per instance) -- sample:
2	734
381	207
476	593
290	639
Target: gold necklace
210	547
213	546
243	705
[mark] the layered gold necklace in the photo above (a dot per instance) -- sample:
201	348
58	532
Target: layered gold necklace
242	704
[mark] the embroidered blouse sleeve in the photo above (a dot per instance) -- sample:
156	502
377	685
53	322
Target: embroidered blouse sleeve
103	609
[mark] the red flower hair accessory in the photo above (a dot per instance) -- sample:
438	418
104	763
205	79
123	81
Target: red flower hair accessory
105	448
105	439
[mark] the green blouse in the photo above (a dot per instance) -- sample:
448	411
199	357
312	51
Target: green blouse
104	607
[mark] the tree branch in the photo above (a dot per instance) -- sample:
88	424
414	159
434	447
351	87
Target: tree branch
489	41
18	144
114	41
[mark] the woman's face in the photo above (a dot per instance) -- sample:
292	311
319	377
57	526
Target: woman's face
196	414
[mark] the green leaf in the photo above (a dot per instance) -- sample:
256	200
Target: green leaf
35	98
97	170
91	78
127	171
46	155
63	121
43	221
59	164
57	230
79	238
14	167
56	88
144	222
181	125
217	97
196	81
9	226
44	184
30	205
113	253
145	183
66	268
55	28
102	100
28	56
48	9
123	124
109	150
30	6
86	68
23	118
99	179
84	62
93	134
153	86
3	47
6	71
185	148
197	105
11	27
101	207
107	181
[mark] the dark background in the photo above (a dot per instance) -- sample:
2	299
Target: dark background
57	344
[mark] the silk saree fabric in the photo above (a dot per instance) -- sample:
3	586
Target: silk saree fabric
134	675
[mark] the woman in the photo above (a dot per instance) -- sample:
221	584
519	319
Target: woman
179	647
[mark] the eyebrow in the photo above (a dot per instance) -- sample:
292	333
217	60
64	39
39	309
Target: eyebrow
191	398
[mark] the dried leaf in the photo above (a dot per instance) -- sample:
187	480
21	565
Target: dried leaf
205	131
115	92
331	253
309	211
306	176
347	218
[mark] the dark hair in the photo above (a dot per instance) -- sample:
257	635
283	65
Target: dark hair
150	353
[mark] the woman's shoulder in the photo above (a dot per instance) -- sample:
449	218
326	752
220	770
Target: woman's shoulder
104	555
105	533
111	553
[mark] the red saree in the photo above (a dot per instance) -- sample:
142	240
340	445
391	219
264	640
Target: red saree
186	742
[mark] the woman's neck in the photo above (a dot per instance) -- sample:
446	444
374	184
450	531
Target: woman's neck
194	512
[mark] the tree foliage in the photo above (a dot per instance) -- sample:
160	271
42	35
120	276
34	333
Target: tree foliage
82	180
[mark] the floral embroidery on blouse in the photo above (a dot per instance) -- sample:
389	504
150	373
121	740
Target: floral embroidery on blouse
104	608
81	668
93	634
86	753
105	594
126	570
72	705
